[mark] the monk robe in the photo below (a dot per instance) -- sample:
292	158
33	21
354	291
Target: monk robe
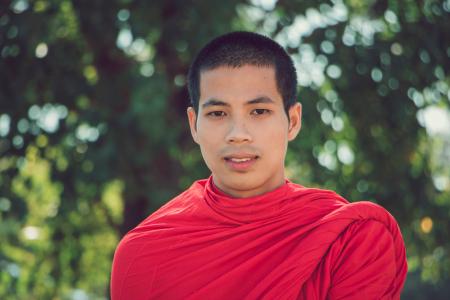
290	243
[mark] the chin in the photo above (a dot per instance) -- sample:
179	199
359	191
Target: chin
241	181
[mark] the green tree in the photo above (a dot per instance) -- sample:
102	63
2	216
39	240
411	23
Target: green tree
93	133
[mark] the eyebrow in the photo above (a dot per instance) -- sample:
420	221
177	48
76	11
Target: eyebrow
215	102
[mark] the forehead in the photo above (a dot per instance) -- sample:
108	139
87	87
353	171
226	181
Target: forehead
236	85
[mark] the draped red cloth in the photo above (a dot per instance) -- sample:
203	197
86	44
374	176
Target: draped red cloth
290	243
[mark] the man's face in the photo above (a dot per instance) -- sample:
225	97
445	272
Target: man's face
242	129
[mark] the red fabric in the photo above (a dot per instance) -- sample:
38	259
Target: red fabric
291	243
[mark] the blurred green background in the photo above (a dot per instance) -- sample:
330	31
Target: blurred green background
94	137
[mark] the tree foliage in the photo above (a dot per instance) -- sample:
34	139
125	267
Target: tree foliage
94	137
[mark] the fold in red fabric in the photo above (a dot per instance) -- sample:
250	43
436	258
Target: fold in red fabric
291	243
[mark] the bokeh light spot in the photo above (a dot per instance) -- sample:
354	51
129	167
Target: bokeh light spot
41	50
426	224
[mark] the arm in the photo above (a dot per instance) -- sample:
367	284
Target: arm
366	264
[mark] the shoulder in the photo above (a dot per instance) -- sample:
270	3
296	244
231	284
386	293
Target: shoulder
184	202
335	209
167	216
313	203
361	211
315	194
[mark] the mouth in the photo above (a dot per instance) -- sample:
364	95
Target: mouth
240	162
241	157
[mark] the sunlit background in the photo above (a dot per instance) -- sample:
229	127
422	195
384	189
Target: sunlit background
93	133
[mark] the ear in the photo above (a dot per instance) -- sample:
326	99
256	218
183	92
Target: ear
192	117
295	120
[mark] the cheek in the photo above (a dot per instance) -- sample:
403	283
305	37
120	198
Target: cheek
273	142
209	142
273	132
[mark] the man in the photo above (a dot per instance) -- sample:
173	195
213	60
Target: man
247	232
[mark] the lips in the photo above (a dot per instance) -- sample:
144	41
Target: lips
240	161
238	157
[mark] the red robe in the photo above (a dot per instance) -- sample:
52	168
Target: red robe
290	243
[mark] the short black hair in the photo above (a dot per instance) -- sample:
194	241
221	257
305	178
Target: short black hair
240	48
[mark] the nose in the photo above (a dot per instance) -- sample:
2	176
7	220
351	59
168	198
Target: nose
238	134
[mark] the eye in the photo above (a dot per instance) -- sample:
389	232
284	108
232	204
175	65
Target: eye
261	111
216	114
